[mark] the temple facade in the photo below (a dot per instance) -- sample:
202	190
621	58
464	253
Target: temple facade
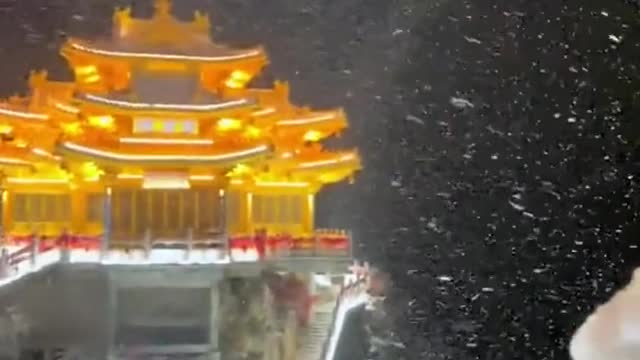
161	136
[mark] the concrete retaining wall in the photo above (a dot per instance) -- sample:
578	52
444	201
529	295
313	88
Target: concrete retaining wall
85	309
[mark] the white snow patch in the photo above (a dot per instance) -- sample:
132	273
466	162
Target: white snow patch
516	206
615	39
414	119
472	40
460	103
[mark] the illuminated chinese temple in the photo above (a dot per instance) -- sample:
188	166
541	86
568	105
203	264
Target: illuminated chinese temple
161	132
174	199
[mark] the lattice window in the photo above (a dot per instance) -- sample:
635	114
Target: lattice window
166	213
40	208
95	208
278	209
233	201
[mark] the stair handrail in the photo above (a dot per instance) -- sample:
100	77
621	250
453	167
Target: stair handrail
344	289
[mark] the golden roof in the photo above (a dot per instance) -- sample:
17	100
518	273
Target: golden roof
163	37
185	117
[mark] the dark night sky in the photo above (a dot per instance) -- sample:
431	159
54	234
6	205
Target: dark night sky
502	224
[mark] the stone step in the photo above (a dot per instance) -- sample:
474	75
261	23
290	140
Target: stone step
315	336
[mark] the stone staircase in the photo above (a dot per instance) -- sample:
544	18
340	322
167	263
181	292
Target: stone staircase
314	337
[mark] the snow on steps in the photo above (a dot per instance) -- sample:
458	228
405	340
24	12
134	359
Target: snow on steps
315	335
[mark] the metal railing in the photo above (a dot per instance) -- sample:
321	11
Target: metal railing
26	254
352	294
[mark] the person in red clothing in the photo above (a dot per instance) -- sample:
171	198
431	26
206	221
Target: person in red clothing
261	243
64	240
292	293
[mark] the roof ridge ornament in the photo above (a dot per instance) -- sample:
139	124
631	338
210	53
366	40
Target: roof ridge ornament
121	21
201	21
37	78
162	8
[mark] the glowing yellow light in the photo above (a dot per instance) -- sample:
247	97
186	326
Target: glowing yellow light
21	143
36	181
92	79
104	122
307	120
166	184
91	172
86	70
201	177
258	150
339	160
281	184
161	141
42	152
5	129
67	108
263	112
73	128
239	170
125	176
157	126
312	135
237	182
165	181
237	80
252	132
250	53
12	161
23	114
226	124
161	106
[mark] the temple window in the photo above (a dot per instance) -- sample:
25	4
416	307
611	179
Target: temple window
161	126
95	208
233	202
36	210
167	213
278	209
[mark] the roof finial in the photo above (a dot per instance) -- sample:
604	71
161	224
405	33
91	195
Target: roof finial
163	7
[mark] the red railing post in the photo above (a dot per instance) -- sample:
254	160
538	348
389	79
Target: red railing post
260	243
35	247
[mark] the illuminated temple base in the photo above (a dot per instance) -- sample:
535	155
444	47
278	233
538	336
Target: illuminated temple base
170	303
